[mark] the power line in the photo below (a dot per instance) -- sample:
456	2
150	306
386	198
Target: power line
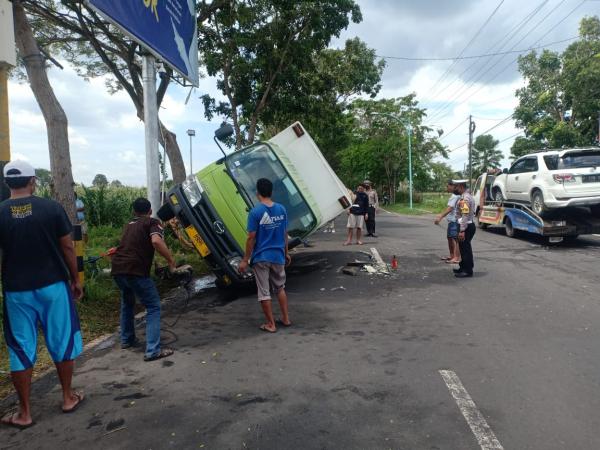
510	137
515	60
467	46
460	146
453	129
479	75
499	45
406	58
502	122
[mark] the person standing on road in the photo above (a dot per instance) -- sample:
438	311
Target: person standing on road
131	265
357	214
465	210
80	208
40	283
373	207
267	251
453	227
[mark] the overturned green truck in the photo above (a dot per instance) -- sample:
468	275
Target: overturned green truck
212	206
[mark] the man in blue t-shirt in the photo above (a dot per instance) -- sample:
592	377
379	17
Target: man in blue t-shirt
266	251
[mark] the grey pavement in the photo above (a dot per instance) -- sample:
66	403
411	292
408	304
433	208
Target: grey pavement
359	369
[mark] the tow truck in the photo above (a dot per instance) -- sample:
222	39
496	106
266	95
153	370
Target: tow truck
514	217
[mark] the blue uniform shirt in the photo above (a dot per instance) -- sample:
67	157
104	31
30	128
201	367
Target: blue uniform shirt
270	225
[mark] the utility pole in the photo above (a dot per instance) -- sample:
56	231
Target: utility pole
471	131
151	131
191	134
7	60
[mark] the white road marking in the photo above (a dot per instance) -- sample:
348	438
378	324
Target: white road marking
483	433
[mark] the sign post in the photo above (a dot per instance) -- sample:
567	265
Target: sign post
7	60
167	30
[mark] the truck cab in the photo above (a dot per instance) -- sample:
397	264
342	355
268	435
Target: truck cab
213	205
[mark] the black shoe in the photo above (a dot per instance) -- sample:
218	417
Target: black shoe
369	235
457	270
374	235
135	343
463	275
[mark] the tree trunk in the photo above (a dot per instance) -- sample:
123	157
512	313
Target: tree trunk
54	115
173	153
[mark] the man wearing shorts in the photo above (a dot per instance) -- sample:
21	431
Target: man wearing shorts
266	251
357	214
40	284
453	227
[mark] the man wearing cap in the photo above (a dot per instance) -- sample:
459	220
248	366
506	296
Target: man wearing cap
465	210
453	227
373	206
40	284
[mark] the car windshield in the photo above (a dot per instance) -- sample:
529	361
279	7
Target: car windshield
573	160
259	161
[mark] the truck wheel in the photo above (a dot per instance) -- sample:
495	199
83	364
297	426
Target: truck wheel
508	227
537	203
165	213
498	197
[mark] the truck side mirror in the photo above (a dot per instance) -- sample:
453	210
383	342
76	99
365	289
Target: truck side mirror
224	131
505	170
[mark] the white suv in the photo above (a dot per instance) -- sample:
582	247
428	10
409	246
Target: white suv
553	179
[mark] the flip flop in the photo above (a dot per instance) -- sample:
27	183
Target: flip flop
347	243
449	261
282	324
11	422
444	258
164	353
264	328
359	243
80	398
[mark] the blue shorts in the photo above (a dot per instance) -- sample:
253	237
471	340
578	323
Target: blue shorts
453	229
51	306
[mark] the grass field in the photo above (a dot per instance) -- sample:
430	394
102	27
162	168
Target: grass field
99	309
428	203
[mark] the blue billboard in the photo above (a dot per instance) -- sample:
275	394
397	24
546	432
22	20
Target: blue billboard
166	28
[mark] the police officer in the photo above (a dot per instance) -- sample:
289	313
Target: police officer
373	206
465	210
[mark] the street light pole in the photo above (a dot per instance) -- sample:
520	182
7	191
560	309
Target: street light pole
191	133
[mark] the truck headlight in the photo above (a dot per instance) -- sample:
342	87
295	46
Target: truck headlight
192	190
235	265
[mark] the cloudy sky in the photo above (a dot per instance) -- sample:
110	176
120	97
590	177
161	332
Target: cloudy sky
416	36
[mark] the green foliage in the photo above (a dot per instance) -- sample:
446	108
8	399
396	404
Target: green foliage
522	146
100	180
109	206
379	146
486	154
559	104
440	174
258	50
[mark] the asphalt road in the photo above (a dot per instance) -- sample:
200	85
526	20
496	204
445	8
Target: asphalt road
360	368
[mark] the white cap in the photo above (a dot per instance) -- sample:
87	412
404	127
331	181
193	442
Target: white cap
15	169
460	181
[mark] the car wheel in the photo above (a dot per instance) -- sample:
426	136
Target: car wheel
498	197
508	227
537	203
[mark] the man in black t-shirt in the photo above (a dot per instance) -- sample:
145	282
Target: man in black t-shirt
39	283
131	266
357	214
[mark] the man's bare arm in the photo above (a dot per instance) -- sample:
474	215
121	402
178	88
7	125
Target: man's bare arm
161	247
68	251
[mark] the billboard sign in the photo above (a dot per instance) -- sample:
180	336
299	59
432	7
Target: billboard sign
166	28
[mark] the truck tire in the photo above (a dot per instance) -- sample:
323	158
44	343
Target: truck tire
537	203
165	213
508	228
498	197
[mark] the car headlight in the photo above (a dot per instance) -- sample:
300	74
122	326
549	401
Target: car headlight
235	265
192	190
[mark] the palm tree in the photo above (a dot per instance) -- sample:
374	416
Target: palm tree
486	154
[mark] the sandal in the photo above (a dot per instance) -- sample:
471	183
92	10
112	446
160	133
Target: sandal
264	328
11	422
80	398
281	323
164	353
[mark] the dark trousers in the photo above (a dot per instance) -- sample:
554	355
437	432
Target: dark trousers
466	251
371	221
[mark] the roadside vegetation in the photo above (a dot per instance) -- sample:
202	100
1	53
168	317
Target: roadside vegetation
423	203
108	209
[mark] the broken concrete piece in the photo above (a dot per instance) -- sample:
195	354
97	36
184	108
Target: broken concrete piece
350	270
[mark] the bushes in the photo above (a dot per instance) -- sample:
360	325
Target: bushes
109	205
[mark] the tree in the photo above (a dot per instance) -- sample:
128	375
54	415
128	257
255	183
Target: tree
116	184
98	49
522	146
379	148
100	180
44	178
560	102
440	174
486	154
254	48
54	115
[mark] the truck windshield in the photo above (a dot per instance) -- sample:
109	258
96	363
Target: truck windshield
259	161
